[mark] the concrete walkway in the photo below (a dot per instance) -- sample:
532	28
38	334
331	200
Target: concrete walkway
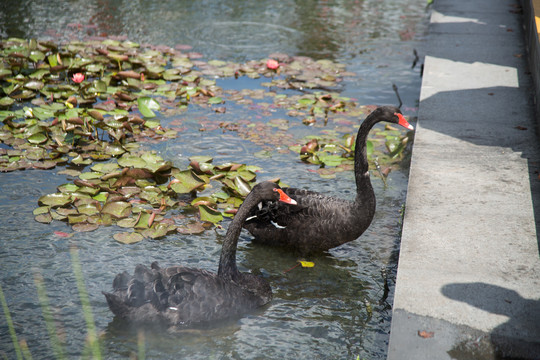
468	282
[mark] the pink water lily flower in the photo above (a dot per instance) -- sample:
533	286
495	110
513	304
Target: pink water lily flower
272	64
78	78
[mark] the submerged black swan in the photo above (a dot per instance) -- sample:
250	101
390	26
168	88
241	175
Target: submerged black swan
320	222
180	295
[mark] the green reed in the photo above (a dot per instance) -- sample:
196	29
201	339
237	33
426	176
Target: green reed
85	302
10	325
57	345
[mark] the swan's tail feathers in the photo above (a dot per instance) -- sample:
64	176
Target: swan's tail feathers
116	304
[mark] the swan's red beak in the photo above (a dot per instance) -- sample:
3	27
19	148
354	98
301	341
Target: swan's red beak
285	198
404	122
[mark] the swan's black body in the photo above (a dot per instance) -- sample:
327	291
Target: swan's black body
319	222
181	295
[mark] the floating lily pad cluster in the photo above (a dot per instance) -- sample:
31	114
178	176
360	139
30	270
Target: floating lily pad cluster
124	85
144	193
334	154
91	104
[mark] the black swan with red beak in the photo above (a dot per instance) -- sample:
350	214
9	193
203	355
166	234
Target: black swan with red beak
320	222
181	295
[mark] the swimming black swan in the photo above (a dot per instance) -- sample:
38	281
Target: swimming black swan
180	295
319	222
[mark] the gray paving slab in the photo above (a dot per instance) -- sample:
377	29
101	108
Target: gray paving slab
468	282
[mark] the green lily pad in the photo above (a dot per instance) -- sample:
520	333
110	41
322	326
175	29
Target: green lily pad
88	209
55	200
131	161
143	222
6	101
117	209
242	187
186	182
101	197
34	85
41	210
90	175
79	160
215	100
208	214
158	230
68	188
105	168
38	138
127	222
77	219
147	106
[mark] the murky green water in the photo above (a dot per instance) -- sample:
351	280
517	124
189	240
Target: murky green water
337	310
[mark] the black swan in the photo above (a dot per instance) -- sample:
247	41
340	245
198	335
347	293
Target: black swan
181	295
319	222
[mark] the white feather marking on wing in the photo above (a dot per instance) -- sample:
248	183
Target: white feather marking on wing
277	225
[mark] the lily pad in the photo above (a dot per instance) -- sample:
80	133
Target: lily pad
186	182
55	200
128	238
44	218
84	227
158	230
208	214
147	106
118	209
191	228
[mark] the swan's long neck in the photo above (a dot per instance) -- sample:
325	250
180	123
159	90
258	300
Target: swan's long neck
361	165
227	261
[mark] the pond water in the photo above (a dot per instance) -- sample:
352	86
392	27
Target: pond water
339	309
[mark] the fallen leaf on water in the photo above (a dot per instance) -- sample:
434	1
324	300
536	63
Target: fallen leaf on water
62	234
307	264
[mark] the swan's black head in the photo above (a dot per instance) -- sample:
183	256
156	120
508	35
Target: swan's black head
390	114
270	191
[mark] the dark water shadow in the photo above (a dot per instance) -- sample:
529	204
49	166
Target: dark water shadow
519	337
